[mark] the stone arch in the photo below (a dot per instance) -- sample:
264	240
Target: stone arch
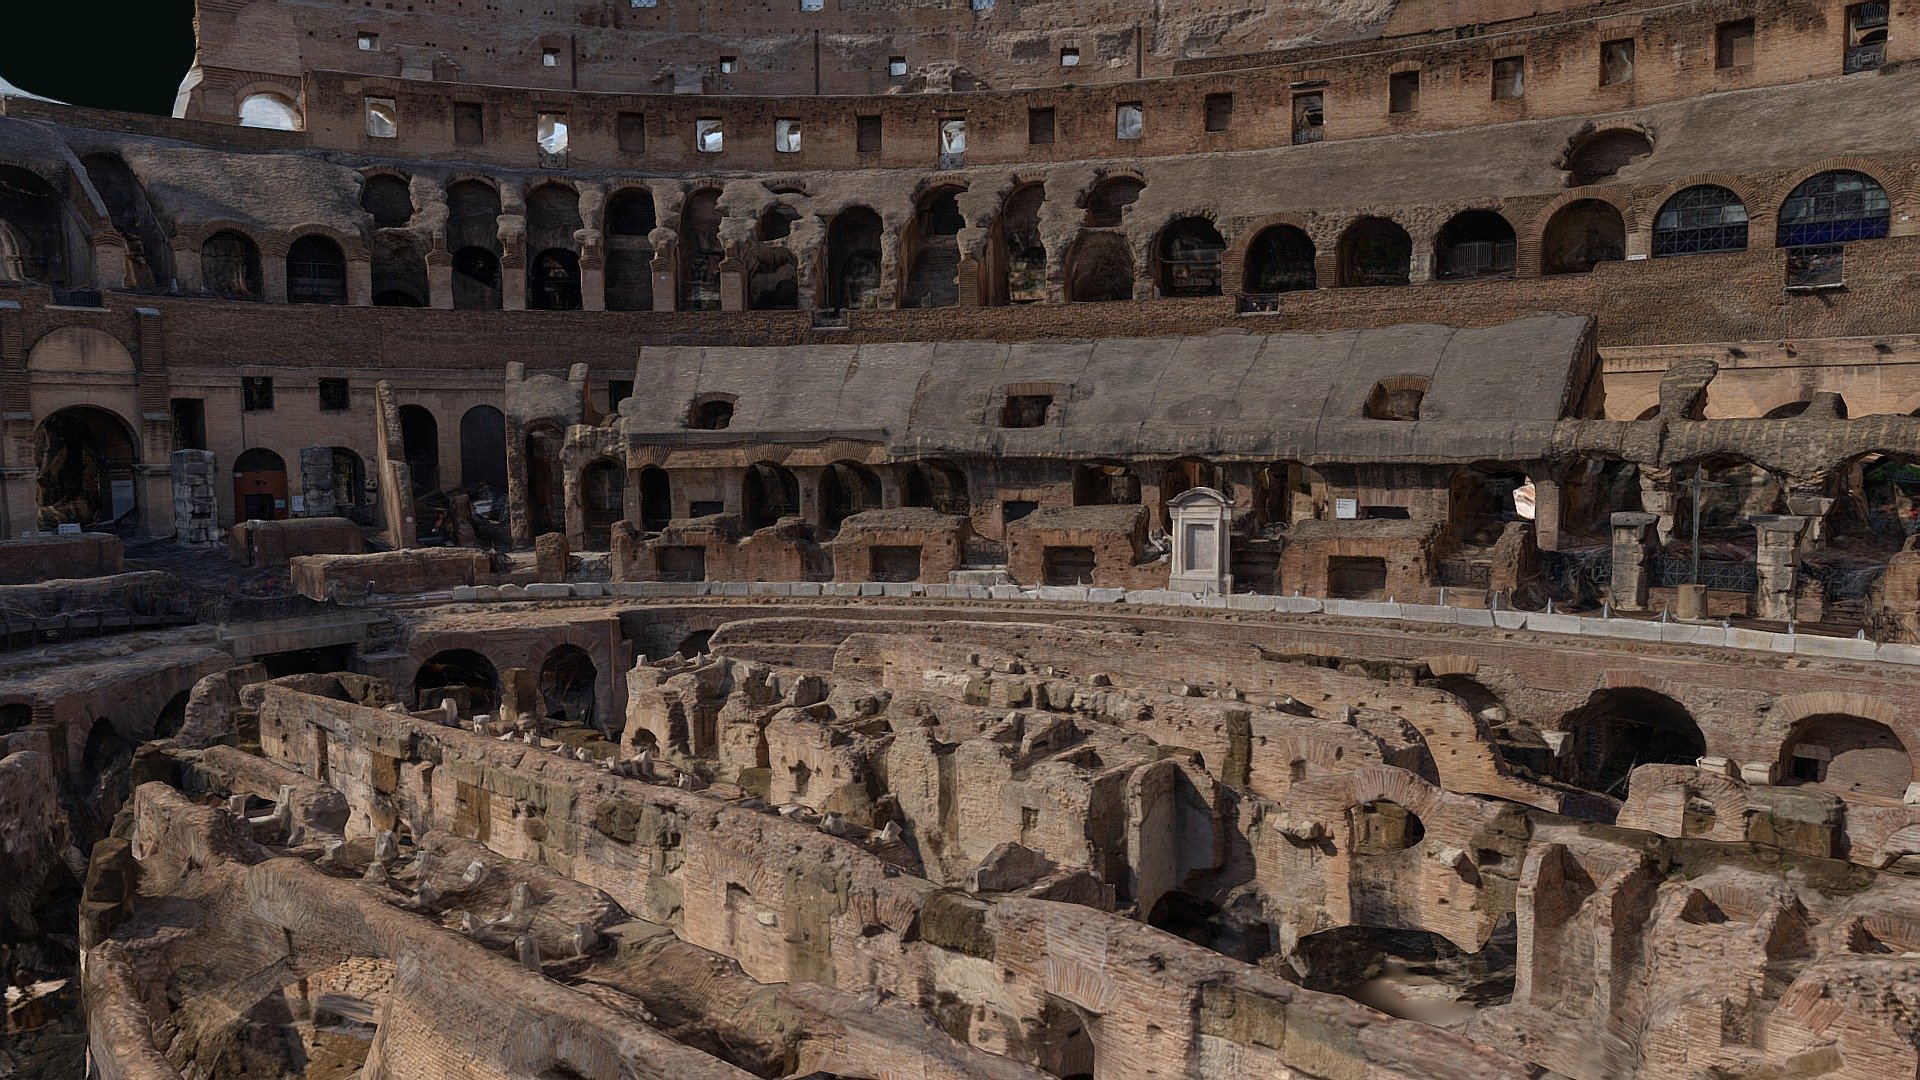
259	486
472	235
933	246
768	492
1020	251
483	448
569	685
86	459
420	444
1374	251
230	266
1107	199
846	488
1582	234
316	271
853	261
1597	157
273	109
387	199
1187	257
1621	727
462	673
1835	206
936	483
1475	244
1280	258
1847	754
1701	219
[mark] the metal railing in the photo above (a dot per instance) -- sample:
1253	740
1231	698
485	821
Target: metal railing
1720	575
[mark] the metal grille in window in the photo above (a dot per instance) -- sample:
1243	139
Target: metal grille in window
1671	571
1700	220
1462	574
1833	208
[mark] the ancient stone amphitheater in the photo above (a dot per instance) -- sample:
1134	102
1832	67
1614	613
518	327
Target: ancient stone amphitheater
919	539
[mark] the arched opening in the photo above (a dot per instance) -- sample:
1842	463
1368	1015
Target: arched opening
700	252
269	111
568	679
1284	493
1023	254
853	260
1374	251
1603	154
149	255
710	412
555	281
1108	201
1474	244
1280	259
933	279
230	267
259	486
937	485
768	493
603	490
1100	268
1068	1049
30	235
656	499
1833	208
476	279
1105	483
387	200
461	674
473	213
316	272
168	723
85	458
1700	220
106	749
545	488
847	488
1397	398
420	444
14	716
1189	251
1411	974
630	224
1849	755
1621	728
483	449
773	284
1582	235
349	485
697	643
1383	827
1483	499
1592	490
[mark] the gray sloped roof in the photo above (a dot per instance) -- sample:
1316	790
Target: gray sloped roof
1496	393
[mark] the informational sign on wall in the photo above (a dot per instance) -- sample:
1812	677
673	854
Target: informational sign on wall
1346	509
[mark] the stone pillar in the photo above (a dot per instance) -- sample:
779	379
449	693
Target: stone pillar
439	280
110	261
1814	507
1202	548
360	282
1632	544
593	283
552	557
665	296
1546	513
273	276
809	481
513	282
1420	264
318	499
196	511
1777	563
1658	499
393	476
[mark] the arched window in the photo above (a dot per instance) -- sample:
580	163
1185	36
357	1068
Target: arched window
1397	398
387	200
466	676
553	276
853	260
1582	235
269	111
710	413
1474	244
1700	221
473	212
1833	208
86	458
230	266
316	272
1374	251
259	486
1190	258
567	681
934	280
483	449
1279	260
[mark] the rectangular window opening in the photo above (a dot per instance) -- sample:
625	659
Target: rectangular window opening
1403	92
549	57
1509	78
1616	62
1733	44
383	119
897	66
618	390
334	395
630	132
1066	566
1025	410
786	136
1129	120
369	42
709	137
893	563
469	124
189	423
812	5
1866	37
1219	112
1309	118
550	131
867	134
1040	127
728	65
953	143
256	393
1069	57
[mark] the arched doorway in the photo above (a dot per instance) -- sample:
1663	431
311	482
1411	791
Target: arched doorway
1280	259
462	674
483	449
1474	244
603	490
1483	499
1375	251
768	492
1850	755
853	260
1621	728
1189	252
568	680
230	267
846	488
349	485
85	458
938	485
473	212
316	272
1023	254
1105	483
656	499
933	279
476	279
1581	235
259	486
420	444
171	717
